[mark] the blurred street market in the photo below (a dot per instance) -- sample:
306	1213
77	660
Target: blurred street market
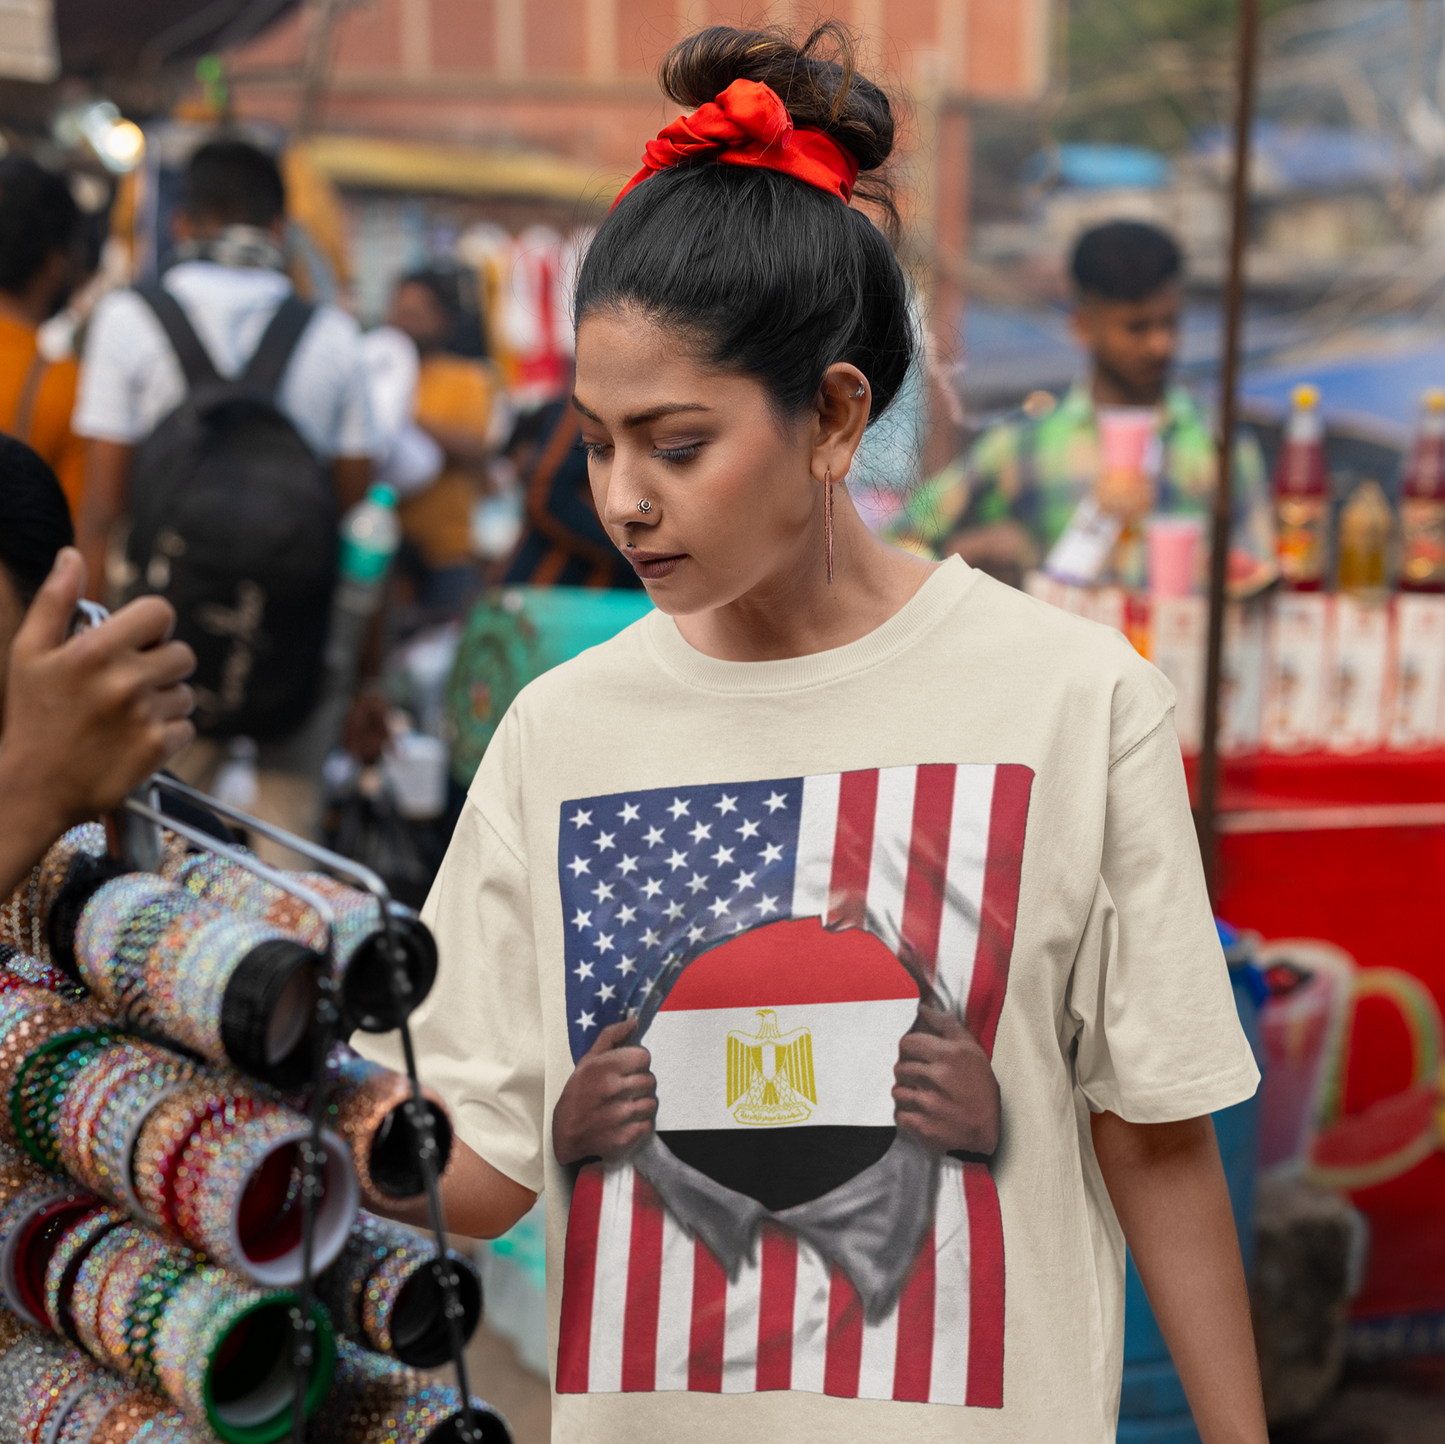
1150	244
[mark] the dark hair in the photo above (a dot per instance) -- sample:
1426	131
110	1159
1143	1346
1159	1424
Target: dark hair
233	182
774	278
444	287
34	518
1125	261
38	216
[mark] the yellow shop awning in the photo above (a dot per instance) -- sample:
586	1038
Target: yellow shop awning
358	160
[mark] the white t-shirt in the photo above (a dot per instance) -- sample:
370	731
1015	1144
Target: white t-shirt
983	801
130	378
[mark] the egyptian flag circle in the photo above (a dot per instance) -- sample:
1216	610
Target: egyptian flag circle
774	1056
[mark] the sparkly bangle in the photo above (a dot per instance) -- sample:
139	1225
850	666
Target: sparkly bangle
40	1084
100	1397
213	980
385	1278
15	1217
192	1337
153	1295
24	913
368	1000
223	1168
85	1295
166	1427
168	1129
12	1331
122	1114
123	1281
122	1074
65	1262
39	1379
366	1104
33	1241
374	1401
103	921
22	969
404	1286
17	1172
31	1020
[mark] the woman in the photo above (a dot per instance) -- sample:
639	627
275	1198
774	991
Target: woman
82	721
830	940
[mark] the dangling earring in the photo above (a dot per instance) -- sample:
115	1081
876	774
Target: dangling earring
828	521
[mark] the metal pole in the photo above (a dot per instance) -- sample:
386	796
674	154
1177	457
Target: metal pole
1205	812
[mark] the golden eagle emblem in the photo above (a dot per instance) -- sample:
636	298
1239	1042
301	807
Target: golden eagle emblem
771	1073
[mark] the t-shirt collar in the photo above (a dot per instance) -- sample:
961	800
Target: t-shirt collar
939	594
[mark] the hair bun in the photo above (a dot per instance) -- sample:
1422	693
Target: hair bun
823	90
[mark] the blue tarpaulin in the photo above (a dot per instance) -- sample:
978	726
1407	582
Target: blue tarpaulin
1383	386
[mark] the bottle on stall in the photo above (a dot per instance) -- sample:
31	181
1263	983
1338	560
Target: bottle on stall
1422	501
1366	525
1301	494
370	535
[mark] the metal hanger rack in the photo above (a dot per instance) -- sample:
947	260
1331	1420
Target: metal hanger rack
141	806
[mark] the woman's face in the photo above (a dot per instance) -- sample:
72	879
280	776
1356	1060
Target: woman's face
12	613
735	508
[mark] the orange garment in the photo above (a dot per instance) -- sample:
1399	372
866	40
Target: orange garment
49	430
453	392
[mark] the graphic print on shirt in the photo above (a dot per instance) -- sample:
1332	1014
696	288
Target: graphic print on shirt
774	939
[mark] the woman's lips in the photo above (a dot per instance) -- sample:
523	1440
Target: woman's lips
652	566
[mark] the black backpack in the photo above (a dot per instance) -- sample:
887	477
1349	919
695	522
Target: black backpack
234	521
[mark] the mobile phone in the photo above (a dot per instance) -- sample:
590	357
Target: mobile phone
87	614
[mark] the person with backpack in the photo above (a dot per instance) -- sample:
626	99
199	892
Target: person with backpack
229	420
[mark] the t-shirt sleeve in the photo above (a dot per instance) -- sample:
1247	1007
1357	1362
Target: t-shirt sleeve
1158	1037
478	1035
356	431
107	405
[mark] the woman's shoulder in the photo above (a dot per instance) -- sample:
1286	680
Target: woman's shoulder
1068	658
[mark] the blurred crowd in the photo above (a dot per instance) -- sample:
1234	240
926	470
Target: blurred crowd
221	427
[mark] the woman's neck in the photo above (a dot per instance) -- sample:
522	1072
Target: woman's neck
797	613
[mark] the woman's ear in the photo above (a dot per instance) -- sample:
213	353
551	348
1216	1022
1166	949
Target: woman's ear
842	412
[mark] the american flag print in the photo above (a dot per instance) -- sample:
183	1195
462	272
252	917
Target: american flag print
926	860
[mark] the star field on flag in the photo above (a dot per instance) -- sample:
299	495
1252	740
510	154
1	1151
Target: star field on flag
652	879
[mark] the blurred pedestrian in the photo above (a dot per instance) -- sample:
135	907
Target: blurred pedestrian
454	398
563	543
566	588
41	261
1006	504
232	421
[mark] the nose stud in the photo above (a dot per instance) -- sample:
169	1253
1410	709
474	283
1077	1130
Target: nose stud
644	506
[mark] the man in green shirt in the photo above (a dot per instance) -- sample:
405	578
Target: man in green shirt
1005	504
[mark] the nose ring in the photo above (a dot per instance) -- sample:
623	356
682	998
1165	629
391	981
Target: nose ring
644	506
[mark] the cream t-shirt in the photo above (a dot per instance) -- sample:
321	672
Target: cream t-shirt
981	802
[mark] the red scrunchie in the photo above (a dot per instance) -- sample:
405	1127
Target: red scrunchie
749	125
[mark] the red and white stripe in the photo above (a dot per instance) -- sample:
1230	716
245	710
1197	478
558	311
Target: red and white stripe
928	859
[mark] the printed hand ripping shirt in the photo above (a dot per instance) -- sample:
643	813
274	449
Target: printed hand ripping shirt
981	804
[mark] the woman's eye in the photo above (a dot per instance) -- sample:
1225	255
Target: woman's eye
594	450
675	453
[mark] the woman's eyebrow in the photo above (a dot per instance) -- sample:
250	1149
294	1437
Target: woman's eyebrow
641	418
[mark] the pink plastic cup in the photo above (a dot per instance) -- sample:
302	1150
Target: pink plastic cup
1125	434
1174	543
